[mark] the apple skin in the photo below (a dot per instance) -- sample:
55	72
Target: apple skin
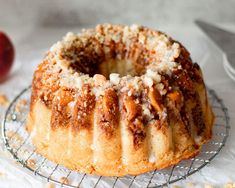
7	54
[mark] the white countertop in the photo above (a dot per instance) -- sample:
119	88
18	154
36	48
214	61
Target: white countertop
31	45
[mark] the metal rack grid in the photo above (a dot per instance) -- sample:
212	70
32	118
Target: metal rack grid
18	143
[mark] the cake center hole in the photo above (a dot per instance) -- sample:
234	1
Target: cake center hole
122	67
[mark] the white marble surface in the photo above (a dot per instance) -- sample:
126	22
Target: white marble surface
35	25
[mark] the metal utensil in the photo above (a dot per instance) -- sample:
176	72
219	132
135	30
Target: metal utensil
225	40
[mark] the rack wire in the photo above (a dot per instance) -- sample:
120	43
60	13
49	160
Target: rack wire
18	143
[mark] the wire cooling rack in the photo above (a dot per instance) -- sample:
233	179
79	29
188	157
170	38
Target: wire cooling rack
18	143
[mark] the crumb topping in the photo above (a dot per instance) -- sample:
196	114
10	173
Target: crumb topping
114	78
160	55
133	61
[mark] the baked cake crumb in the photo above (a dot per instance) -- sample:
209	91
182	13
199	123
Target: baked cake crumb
175	186
190	184
20	105
208	186
64	180
31	163
50	185
229	185
15	136
2	174
4	100
99	79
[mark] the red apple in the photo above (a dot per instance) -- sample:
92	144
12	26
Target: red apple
6	55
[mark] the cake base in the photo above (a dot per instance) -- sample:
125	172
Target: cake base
77	152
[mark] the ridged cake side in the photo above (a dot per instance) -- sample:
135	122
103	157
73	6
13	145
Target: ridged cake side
151	119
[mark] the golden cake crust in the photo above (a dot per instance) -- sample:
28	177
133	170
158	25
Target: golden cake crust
151	119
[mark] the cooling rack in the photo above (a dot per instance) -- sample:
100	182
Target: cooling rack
18	143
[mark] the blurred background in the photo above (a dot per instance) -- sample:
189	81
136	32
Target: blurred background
74	13
26	16
44	22
35	25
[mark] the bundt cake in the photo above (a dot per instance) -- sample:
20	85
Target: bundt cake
118	100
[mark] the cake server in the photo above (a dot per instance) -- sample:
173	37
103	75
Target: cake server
225	40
